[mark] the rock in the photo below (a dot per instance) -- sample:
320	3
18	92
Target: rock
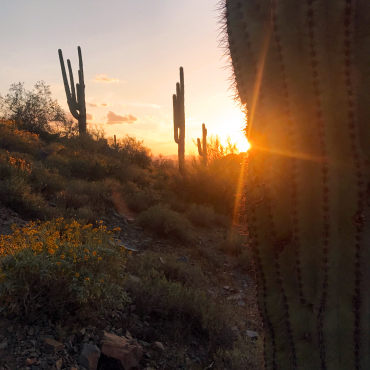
134	278
31	332
252	334
158	346
234	297
226	287
30	361
183	259
58	364
3	344
81	332
89	357
127	351
241	303
53	344
42	154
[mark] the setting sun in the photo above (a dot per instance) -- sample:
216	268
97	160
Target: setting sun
243	145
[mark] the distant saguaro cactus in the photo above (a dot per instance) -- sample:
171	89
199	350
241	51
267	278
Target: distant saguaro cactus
115	146
179	120
76	103
203	151
302	72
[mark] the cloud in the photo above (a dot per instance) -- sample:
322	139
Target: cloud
115	118
104	78
97	105
89	117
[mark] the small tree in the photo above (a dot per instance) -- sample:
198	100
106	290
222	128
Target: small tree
34	110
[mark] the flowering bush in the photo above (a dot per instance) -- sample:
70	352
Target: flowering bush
60	268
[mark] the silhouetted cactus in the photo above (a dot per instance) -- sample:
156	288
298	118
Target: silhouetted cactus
302	73
76	103
115	145
179	120
203	152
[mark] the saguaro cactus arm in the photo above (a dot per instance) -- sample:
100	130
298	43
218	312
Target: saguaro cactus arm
76	104
301	70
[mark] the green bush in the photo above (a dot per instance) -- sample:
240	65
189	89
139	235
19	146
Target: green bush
165	222
60	269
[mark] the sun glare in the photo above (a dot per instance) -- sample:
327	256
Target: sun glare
243	145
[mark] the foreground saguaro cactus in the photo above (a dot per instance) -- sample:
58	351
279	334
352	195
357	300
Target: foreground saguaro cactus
179	120
203	152
302	73
76	103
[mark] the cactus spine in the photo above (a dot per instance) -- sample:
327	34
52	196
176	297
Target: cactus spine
179	120
203	152
301	71
76	103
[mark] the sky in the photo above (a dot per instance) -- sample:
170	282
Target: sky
132	51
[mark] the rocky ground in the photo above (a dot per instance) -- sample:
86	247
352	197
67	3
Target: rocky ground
115	341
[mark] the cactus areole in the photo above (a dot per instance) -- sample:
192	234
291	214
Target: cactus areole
302	73
76	102
178	100
202	151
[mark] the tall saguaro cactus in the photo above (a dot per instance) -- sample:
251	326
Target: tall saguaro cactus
179	120
76	103
203	151
302	72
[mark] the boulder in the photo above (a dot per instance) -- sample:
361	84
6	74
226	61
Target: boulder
127	351
89	357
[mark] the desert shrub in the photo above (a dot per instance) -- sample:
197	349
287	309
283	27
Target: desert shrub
245	354
234	243
15	189
182	308
18	140
33	110
165	222
45	181
59	269
174	201
201	215
245	260
173	269
56	161
139	199
133	151
215	185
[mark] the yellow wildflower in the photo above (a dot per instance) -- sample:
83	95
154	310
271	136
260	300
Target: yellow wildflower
62	256
77	274
87	279
58	263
